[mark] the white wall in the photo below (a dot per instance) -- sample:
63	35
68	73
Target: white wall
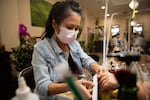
15	12
89	21
24	15
9	23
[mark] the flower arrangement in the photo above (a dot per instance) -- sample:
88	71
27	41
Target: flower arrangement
21	56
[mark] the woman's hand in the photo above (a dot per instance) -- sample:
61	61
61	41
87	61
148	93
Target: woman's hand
107	80
85	87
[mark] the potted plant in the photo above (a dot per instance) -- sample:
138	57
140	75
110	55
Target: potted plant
21	56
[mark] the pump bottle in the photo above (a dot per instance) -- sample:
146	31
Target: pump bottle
23	92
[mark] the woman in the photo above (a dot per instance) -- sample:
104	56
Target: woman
60	46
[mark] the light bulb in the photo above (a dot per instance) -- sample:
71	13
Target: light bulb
133	23
133	4
102	7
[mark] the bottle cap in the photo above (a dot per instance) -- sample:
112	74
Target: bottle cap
23	88
23	92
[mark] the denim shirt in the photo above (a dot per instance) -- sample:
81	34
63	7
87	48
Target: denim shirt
45	59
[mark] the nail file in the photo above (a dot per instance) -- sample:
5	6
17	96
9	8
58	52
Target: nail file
95	88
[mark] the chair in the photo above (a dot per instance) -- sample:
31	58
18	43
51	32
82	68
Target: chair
28	75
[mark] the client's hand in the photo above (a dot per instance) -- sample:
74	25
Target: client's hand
107	80
85	87
143	90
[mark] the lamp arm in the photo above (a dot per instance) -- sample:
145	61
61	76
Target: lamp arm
108	35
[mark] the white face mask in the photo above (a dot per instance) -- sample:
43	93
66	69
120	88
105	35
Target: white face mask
67	36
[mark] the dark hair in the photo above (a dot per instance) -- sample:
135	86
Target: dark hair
59	12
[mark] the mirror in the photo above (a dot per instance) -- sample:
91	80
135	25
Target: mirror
138	28
115	29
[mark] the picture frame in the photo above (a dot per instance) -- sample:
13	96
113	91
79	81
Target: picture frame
39	12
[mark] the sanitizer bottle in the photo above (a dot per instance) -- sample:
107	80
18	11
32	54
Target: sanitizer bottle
23	92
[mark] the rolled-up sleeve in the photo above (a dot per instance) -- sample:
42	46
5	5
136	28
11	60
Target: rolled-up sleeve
85	59
41	74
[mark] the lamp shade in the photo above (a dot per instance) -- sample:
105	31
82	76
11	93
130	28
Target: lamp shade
133	4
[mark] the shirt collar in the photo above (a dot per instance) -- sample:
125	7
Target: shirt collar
73	47
54	45
57	49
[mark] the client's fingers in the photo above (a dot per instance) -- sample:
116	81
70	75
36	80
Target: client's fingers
86	88
85	92
107	81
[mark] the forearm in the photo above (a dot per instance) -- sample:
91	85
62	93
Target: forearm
56	88
95	67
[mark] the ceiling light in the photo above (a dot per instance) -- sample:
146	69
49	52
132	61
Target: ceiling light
133	23
108	14
133	4
102	7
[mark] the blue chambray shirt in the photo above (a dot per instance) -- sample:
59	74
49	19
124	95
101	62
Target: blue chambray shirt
46	56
